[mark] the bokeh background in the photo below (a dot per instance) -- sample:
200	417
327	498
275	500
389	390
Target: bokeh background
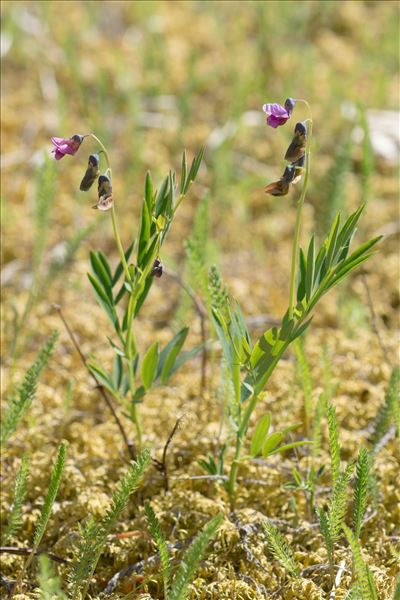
153	78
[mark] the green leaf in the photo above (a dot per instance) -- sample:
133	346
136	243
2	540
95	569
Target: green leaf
185	357
310	268
194	168
101	275
271	443
158	537
19	403
149	365
119	270
169	354
149	193
103	377
285	447
260	434
331	242
104	300
103	259
183	172
162	197
55	480
301	288
191	559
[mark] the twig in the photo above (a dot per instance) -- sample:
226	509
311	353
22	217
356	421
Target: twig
130	446
374	319
202	312
162	465
28	552
139	567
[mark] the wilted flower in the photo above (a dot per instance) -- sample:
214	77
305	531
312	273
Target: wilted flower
278	114
91	173
63	146
157	269
291	174
105	201
297	146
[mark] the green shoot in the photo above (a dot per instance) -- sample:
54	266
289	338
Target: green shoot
365	581
20	489
50	586
360	490
280	549
94	535
22	399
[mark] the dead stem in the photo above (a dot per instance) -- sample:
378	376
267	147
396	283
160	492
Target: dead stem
130	446
162	465
202	312
28	552
374	319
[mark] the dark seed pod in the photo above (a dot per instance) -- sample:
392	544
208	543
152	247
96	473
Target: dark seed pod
157	269
297	147
91	173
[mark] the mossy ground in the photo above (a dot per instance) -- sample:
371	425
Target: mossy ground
152	78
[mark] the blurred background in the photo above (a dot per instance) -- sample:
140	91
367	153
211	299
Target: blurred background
153	78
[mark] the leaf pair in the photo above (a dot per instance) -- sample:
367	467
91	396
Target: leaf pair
266	444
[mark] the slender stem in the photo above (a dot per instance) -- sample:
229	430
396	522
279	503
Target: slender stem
297	227
113	214
129	445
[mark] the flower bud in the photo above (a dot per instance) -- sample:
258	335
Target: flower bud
91	173
157	269
105	201
297	146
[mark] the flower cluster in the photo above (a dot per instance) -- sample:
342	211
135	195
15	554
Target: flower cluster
295	154
63	146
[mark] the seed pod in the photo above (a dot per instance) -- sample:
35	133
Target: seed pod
297	147
157	269
91	173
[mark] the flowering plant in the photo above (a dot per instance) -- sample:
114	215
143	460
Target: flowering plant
129	283
313	272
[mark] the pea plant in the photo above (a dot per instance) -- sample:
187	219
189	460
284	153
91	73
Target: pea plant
122	292
314	271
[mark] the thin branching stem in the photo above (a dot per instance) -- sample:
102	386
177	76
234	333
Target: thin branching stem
128	443
297	227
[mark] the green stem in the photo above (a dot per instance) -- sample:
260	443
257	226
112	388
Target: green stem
231	485
113	214
130	344
297	227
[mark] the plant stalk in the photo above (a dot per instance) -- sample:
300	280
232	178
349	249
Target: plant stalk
297	227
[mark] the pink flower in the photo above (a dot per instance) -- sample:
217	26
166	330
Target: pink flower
278	114
63	146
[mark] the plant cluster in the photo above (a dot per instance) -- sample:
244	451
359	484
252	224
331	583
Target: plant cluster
248	364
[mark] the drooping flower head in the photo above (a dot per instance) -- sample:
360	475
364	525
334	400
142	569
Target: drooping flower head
91	173
105	201
297	146
63	146
277	114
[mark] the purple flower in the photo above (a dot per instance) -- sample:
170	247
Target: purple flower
63	146
278	114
